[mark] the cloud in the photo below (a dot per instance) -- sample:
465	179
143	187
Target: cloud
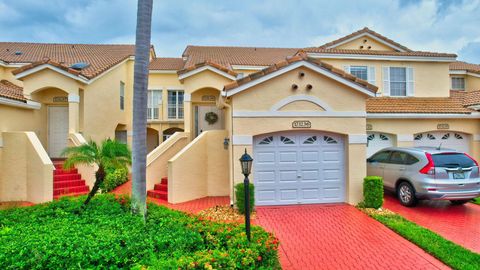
434	25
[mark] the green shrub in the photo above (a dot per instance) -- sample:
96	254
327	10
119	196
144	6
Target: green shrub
240	196
114	178
107	236
373	192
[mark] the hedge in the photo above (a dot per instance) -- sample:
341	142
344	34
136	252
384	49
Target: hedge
373	192
114	178
107	236
240	196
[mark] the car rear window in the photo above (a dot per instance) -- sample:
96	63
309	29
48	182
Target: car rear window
452	160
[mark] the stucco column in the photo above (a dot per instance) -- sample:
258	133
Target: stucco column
188	113
356	167
73	113
476	147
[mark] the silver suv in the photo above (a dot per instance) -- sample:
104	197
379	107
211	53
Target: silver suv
426	173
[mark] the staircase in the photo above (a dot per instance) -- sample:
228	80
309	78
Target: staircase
67	182
160	191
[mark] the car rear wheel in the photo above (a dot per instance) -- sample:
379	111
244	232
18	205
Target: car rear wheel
406	194
458	202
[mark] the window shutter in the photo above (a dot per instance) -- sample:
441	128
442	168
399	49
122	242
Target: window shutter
371	75
410	82
346	69
386	81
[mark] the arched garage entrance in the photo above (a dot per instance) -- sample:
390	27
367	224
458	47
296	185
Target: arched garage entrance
299	168
446	139
376	141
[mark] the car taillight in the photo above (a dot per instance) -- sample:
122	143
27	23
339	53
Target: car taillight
430	167
476	163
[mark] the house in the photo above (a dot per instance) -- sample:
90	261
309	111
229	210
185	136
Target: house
309	116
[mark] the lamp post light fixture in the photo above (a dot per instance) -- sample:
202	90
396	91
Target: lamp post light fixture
246	162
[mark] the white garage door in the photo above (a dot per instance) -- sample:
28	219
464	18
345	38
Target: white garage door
377	141
299	168
448	139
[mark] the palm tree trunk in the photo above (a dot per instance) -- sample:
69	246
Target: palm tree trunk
99	177
140	83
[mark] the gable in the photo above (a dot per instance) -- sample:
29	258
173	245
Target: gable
277	95
365	42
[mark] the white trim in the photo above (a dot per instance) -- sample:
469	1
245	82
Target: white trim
247	67
242	139
178	88
73	98
212	69
12	65
282	103
382	57
16	103
476	137
474	107
404	137
56	69
165	71
357	138
130	133
422	115
391	45
186	97
260	114
293	66
464	72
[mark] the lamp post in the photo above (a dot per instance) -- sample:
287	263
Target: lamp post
246	162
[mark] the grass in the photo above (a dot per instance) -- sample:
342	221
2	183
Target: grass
476	200
451	254
107	236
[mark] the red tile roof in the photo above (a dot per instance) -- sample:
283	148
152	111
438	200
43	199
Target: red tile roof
297	58
166	63
432	105
11	91
471	98
374	52
207	63
228	56
365	30
459	65
100	57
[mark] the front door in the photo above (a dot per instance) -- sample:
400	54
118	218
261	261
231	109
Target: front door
208	118
57	130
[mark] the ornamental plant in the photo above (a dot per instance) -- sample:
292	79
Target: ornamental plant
109	154
373	192
240	196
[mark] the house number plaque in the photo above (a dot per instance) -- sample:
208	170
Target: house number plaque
60	99
443	126
301	124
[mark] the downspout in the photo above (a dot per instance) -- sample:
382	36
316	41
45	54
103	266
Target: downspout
222	104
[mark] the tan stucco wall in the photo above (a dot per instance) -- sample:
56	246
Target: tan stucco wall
263	96
26	171
157	160
18	119
364	41
472	83
430	79
200	169
413	126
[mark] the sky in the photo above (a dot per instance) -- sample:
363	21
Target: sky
451	26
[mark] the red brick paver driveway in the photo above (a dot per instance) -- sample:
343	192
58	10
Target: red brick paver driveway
339	237
460	224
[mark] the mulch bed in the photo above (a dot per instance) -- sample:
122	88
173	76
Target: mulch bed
224	213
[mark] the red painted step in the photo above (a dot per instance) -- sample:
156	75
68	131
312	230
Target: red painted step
160	191
56	197
157	194
67	182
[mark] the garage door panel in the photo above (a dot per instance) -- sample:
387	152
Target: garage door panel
297	168
445	139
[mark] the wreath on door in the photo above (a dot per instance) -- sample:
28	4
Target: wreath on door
211	118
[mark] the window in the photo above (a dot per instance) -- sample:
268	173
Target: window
398	157
381	157
154	99
411	160
452	160
359	72
398	81
267	140
286	140
175	104
458	83
122	96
